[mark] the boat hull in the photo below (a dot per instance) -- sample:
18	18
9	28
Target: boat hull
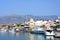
50	33
37	32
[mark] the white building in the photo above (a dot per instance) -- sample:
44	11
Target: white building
38	23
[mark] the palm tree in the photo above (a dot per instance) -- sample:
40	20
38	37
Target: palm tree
18	25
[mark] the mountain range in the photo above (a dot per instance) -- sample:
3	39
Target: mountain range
23	18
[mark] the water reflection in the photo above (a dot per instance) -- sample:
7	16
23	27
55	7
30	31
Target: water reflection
36	37
31	36
24	36
49	37
57	38
20	36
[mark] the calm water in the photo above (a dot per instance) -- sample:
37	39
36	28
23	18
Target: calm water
23	36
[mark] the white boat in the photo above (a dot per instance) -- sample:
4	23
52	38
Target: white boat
17	30
3	30
37	30
11	31
49	32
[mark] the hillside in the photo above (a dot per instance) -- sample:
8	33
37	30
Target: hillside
23	18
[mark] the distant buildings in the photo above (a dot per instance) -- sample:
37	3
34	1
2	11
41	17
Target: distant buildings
37	23
46	23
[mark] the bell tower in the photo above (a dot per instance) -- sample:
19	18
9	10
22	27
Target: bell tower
31	24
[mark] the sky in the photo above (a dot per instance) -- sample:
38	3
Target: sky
29	7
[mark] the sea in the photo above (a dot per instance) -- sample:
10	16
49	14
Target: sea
24	36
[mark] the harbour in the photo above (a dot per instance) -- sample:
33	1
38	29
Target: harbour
29	19
31	30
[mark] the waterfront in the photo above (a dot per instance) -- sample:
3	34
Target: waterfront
23	36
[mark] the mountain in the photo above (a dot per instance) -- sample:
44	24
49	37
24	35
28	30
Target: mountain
23	18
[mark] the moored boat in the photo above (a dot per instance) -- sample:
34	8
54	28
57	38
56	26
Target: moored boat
49	32
11	30
37	31
3	30
17	30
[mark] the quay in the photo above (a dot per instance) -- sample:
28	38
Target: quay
57	34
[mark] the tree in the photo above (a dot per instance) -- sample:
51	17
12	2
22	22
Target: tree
18	25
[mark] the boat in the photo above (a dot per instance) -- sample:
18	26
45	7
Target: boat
11	30
17	30
3	30
37	31
49	32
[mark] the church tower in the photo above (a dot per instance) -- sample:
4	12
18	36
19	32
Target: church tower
31	24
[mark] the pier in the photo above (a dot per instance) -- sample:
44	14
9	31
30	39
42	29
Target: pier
57	34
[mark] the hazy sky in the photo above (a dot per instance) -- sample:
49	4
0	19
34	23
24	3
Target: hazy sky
30	7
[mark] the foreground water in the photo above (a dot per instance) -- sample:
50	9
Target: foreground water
23	36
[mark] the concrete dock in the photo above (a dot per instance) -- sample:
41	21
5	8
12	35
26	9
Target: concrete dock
57	34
